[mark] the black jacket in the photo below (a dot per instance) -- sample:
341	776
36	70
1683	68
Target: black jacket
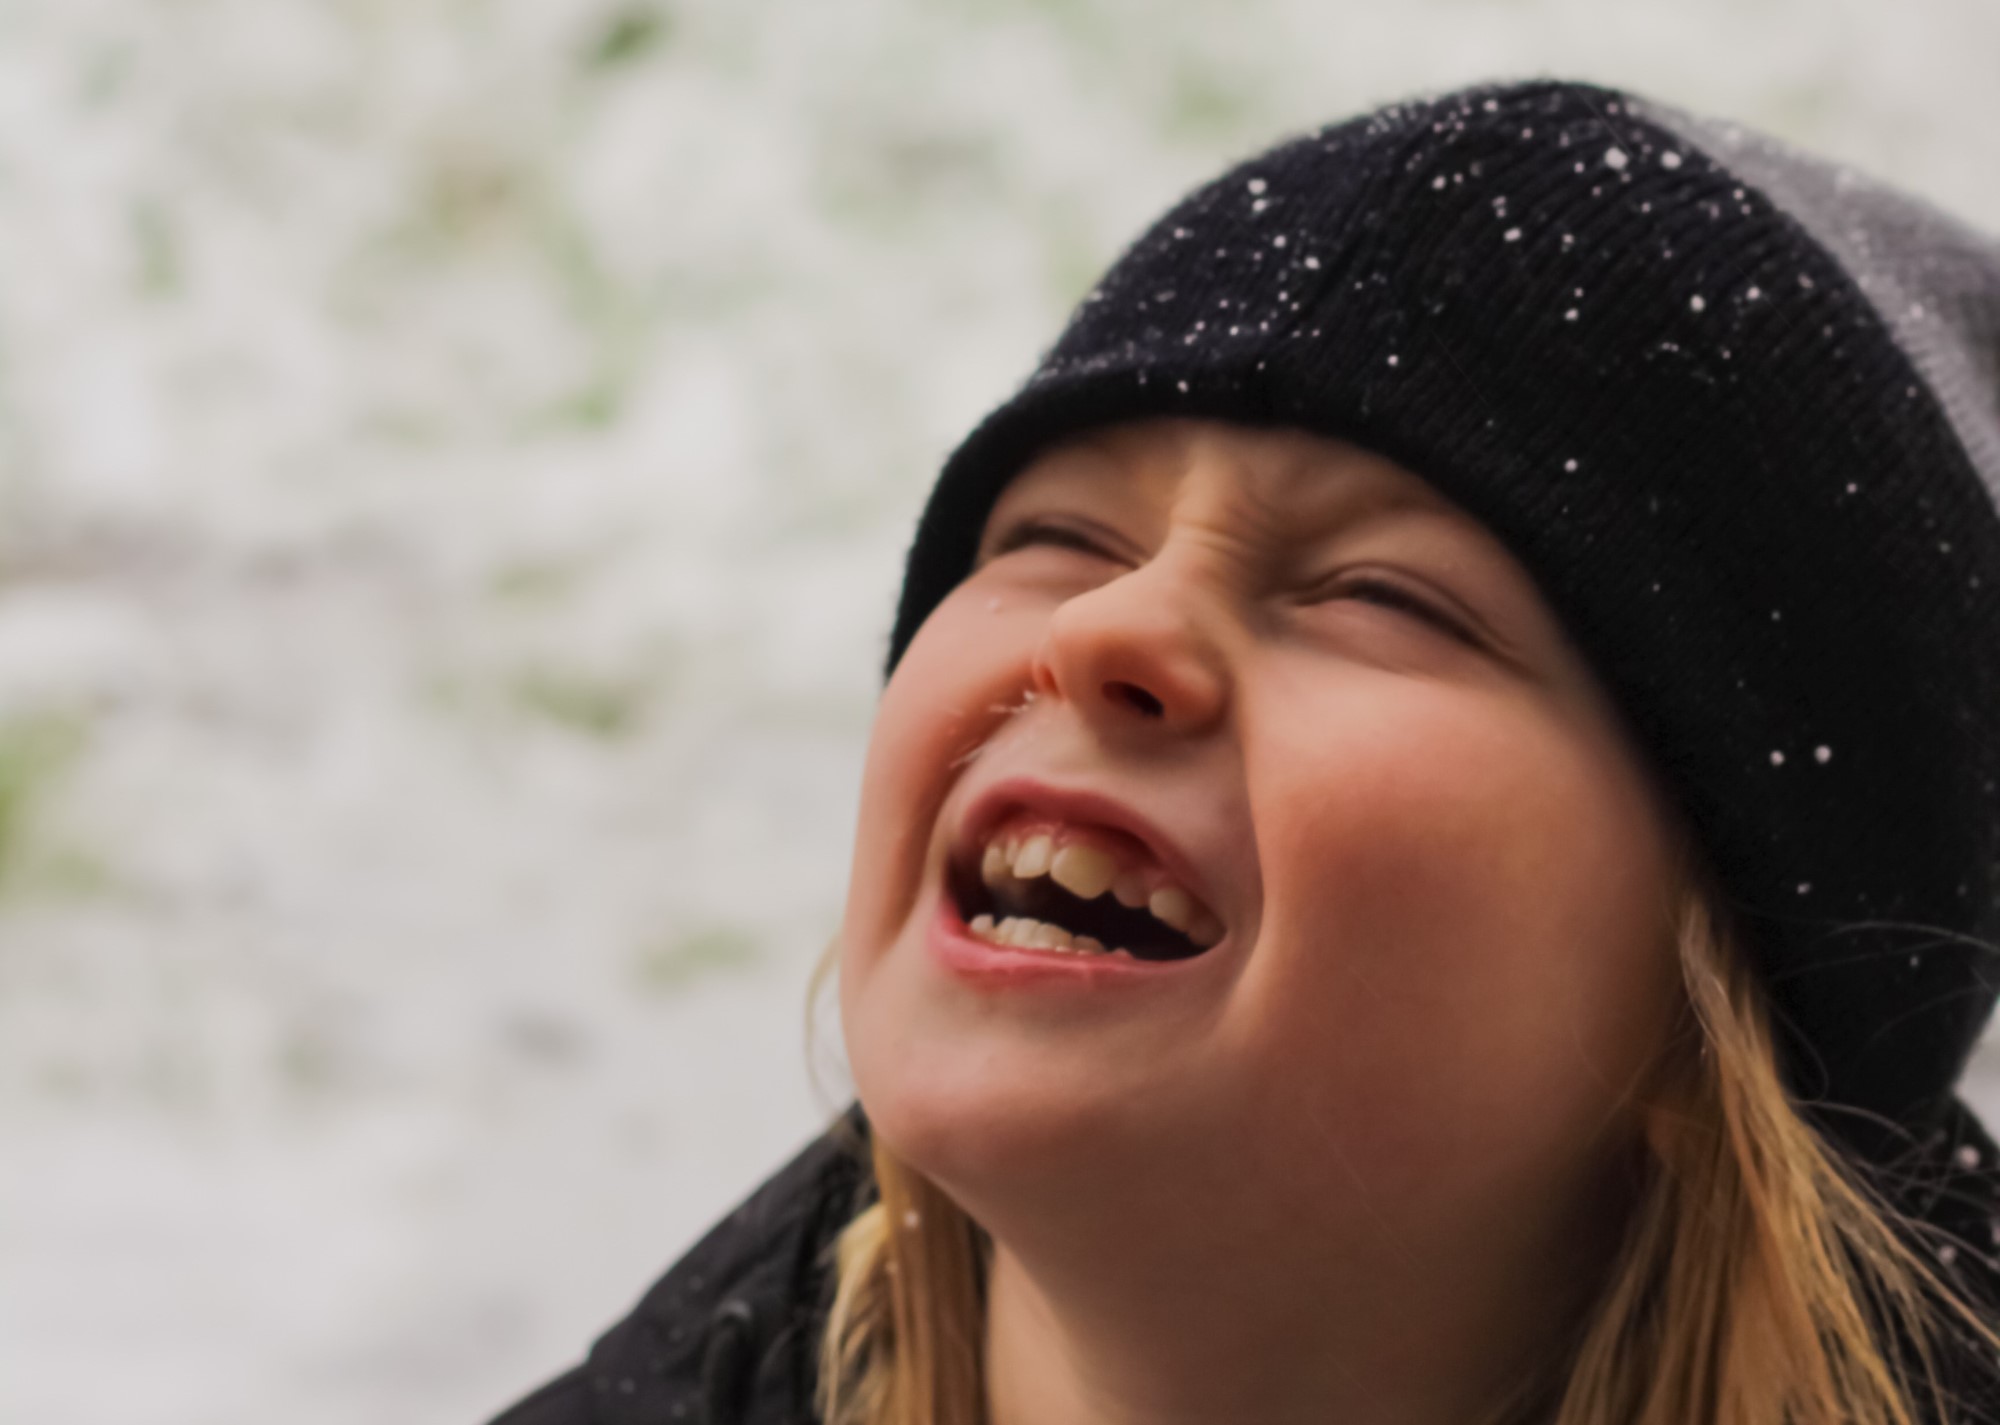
729	1335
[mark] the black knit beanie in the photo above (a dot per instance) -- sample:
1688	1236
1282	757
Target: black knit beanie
1738	412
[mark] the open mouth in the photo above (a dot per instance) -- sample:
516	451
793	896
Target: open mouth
1038	913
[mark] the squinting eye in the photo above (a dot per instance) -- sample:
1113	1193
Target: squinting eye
1394	596
1036	532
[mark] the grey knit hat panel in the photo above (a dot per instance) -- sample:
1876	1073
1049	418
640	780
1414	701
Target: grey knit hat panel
1934	281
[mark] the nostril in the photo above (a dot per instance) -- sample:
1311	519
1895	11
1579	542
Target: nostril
1144	701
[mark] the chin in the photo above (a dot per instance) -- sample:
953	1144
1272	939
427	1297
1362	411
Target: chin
987	1124
997	1103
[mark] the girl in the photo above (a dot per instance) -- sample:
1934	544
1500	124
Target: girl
1429	850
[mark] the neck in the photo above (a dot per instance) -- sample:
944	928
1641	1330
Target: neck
1097	1325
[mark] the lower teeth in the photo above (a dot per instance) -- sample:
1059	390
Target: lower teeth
1026	933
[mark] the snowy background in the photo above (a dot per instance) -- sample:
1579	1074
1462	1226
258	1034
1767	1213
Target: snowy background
454	461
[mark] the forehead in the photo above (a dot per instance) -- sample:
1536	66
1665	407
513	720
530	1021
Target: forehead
1281	483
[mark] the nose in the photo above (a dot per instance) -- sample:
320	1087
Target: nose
1136	654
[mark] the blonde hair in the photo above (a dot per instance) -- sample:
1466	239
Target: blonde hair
1760	1279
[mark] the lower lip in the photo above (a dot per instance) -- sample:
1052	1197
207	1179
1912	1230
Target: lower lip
1007	967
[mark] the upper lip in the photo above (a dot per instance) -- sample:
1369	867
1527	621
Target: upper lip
1077	806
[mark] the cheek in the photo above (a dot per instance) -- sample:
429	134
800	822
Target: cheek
1464	903
940	703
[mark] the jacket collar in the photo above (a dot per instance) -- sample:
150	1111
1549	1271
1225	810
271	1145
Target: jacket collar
730	1335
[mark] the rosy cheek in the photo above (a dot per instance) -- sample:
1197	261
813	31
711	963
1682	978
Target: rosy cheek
935	709
1448	886
1359	885
893	790
1364	807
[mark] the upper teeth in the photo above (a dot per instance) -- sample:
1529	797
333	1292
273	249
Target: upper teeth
1088	871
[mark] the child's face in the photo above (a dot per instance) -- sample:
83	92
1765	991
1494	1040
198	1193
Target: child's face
1440	876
